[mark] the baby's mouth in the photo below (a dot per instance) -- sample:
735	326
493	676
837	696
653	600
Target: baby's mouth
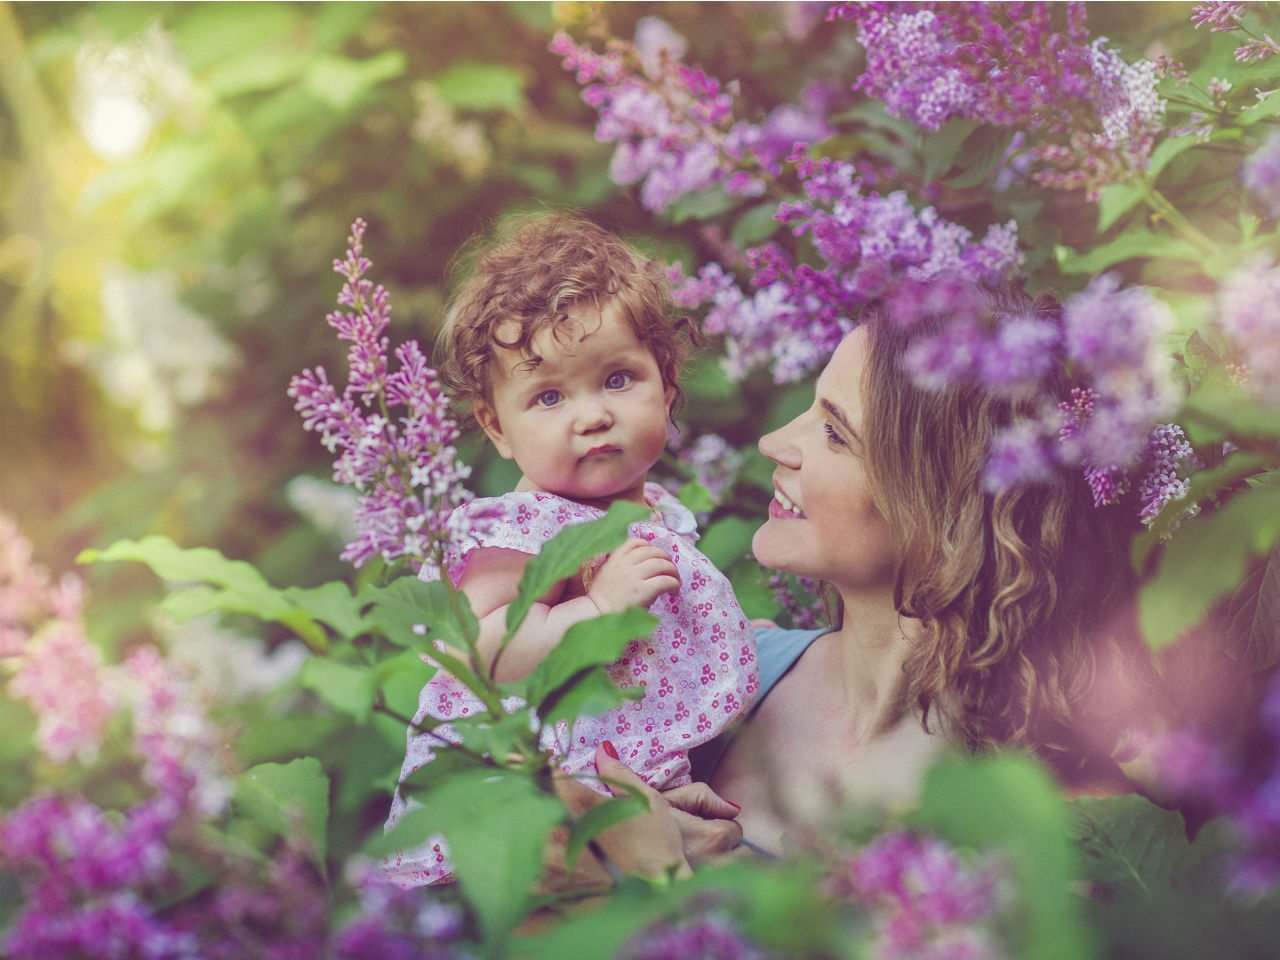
601	450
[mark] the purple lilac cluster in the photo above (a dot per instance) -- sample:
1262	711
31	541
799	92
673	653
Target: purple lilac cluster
407	470
1111	338
1225	17
866	242
1261	175
799	599
1243	788
673	123
1248	312
395	923
707	938
84	874
929	902
1093	117
54	666
712	462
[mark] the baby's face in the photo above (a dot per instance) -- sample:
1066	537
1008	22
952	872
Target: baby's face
586	419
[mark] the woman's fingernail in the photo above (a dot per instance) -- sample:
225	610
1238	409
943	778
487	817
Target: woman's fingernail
608	748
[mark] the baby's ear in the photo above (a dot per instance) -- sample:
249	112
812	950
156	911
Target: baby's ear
487	417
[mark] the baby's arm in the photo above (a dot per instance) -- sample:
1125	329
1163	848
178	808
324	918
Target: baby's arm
634	575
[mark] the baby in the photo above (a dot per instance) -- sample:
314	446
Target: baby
564	346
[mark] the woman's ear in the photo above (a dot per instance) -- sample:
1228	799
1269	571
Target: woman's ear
487	417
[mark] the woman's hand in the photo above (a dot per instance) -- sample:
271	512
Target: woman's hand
684	826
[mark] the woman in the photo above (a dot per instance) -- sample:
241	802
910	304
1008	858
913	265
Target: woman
967	620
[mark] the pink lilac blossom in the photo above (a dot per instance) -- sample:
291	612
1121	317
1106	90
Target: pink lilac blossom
1261	175
406	470
395	923
799	600
712	462
673	123
708	938
1248	312
927	899
1094	118
54	666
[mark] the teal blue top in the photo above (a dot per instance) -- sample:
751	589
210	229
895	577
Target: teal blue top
776	651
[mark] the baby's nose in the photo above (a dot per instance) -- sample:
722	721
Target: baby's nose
592	414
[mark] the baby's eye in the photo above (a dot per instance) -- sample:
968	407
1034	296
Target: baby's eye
547	398
832	436
617	380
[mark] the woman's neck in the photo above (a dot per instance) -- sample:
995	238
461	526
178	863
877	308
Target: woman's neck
867	662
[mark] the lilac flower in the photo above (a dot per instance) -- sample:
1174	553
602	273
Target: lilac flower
673	124
1094	117
1169	455
713	463
406	470
800	600
926	898
57	669
1019	455
396	923
1219	15
1248	312
1261	175
709	938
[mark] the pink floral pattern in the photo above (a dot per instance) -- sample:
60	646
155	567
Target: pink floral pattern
698	668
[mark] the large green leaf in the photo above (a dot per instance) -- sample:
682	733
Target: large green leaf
343	686
330	603
341	83
219	584
1205	561
1130	845
407	611
585	645
590	694
472	85
1129	245
565	554
944	144
1011	803
283	798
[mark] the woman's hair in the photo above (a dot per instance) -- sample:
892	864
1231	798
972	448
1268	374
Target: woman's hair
530	275
1022	593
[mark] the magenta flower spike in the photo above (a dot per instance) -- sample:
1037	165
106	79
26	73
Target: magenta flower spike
405	467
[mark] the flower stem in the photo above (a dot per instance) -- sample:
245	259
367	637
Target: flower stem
1159	203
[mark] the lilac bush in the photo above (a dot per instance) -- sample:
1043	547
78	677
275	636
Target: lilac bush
407	470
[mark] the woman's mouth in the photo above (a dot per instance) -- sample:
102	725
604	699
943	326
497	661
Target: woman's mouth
782	508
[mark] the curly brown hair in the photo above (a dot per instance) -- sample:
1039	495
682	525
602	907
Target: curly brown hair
530	274
1025	595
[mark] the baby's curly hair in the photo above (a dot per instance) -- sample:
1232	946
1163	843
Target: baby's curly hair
530	274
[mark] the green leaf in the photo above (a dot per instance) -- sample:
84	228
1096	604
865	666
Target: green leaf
695	496
251	72
341	83
942	146
343	686
1268	107
1215	410
598	819
701	205
585	645
981	153
1130	845
1116	200
407	610
236	586
330	603
284	797
496	822
565	554
1205	561
728	540
590	694
1010	802
471	85
755	225
1167	150
1127	246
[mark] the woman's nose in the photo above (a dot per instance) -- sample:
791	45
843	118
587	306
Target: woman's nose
778	446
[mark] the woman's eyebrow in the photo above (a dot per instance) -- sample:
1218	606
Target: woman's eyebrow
838	414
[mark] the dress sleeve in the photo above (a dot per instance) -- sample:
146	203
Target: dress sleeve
522	521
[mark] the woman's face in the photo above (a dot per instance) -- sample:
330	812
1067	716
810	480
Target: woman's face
822	522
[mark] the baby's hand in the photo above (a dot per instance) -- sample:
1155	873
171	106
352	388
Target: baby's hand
634	575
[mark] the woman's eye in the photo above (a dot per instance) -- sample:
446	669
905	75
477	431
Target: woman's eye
547	398
617	380
833	436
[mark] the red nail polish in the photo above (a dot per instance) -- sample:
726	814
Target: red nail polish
609	749
736	806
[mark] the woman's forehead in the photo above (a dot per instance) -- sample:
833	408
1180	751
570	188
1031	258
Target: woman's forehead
843	374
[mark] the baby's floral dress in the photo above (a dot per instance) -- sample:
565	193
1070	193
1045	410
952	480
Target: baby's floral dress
698	667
